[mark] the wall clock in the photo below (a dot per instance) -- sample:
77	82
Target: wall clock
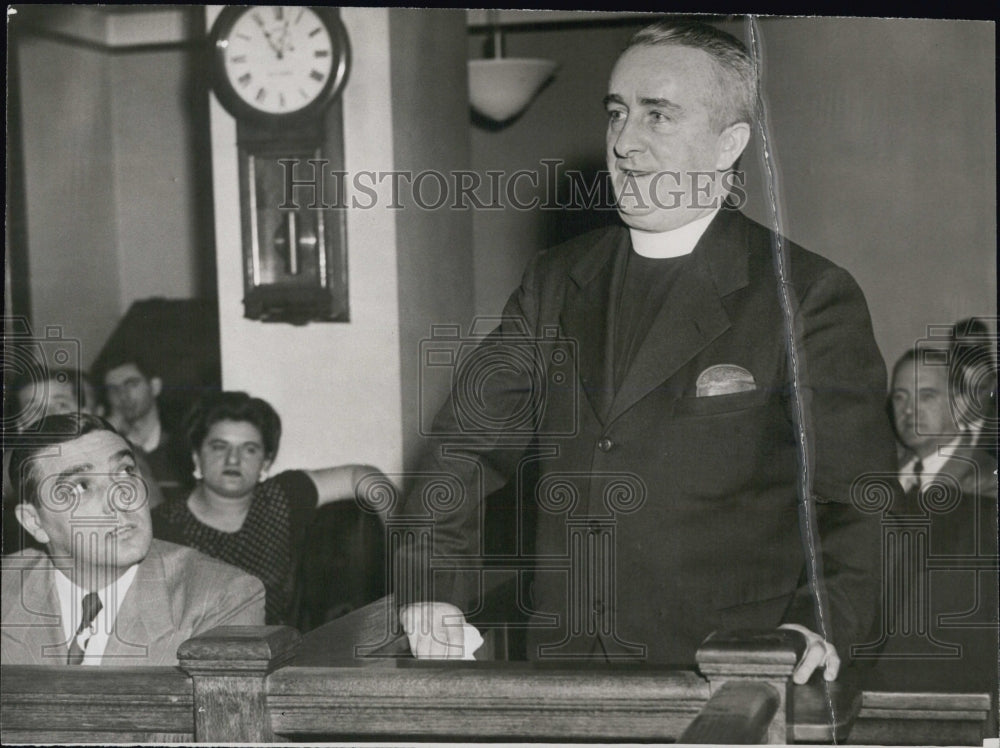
279	70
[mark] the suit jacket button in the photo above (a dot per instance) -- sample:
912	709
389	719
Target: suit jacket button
605	444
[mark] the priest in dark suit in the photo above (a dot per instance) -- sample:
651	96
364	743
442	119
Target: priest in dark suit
103	592
704	400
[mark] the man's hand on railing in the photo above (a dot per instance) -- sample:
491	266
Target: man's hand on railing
818	653
434	630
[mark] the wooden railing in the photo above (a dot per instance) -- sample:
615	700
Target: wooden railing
352	679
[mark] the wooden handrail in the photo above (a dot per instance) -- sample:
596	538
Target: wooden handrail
410	700
737	714
244	684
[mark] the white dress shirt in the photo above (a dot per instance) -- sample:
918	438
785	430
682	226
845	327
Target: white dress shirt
932	465
71	597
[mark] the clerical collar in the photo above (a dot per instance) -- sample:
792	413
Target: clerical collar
675	243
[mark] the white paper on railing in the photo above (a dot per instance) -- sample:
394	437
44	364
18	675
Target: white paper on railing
473	641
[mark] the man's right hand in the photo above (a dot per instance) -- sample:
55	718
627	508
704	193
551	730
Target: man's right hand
434	630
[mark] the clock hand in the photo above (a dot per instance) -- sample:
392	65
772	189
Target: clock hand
286	46
267	35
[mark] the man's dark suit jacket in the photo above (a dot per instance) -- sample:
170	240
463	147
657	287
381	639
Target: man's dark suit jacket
177	593
947	639
699	493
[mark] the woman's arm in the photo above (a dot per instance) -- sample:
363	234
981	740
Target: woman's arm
342	482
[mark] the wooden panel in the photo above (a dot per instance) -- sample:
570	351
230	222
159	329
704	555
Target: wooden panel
922	718
925	701
738	713
823	712
70	737
915	732
81	700
405	698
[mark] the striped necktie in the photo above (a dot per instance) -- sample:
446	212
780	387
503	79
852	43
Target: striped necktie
91	607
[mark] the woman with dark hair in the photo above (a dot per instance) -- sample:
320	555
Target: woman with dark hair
237	513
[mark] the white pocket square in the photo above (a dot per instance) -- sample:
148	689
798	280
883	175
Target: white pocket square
724	379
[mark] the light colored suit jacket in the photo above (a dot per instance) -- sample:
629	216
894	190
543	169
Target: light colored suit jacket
177	593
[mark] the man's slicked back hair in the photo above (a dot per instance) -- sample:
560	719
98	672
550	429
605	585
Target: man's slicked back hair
736	74
52	431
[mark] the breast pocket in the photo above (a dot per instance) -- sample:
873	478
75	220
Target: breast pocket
719	404
728	445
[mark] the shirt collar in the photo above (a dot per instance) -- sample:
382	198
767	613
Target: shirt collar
932	464
153	440
676	243
71	600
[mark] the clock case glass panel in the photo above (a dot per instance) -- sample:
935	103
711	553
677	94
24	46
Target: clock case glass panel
293	222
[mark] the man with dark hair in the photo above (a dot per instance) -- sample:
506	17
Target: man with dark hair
725	402
32	398
103	591
131	390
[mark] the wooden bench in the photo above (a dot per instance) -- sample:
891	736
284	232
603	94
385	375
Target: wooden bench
353	680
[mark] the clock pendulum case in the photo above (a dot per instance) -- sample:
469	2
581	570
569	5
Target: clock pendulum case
279	70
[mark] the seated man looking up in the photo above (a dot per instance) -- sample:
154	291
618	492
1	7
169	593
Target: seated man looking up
103	592
30	399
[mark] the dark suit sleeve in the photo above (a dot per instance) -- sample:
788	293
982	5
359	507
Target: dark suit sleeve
471	454
850	458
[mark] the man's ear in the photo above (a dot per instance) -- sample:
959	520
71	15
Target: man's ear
27	515
730	144
156	384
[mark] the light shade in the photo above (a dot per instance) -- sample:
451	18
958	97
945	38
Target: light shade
501	88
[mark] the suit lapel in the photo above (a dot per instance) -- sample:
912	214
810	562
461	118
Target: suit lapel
588	315
42	636
145	618
693	315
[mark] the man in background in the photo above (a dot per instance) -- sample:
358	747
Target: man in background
131	391
951	498
103	592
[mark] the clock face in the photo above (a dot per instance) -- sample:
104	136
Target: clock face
280	59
